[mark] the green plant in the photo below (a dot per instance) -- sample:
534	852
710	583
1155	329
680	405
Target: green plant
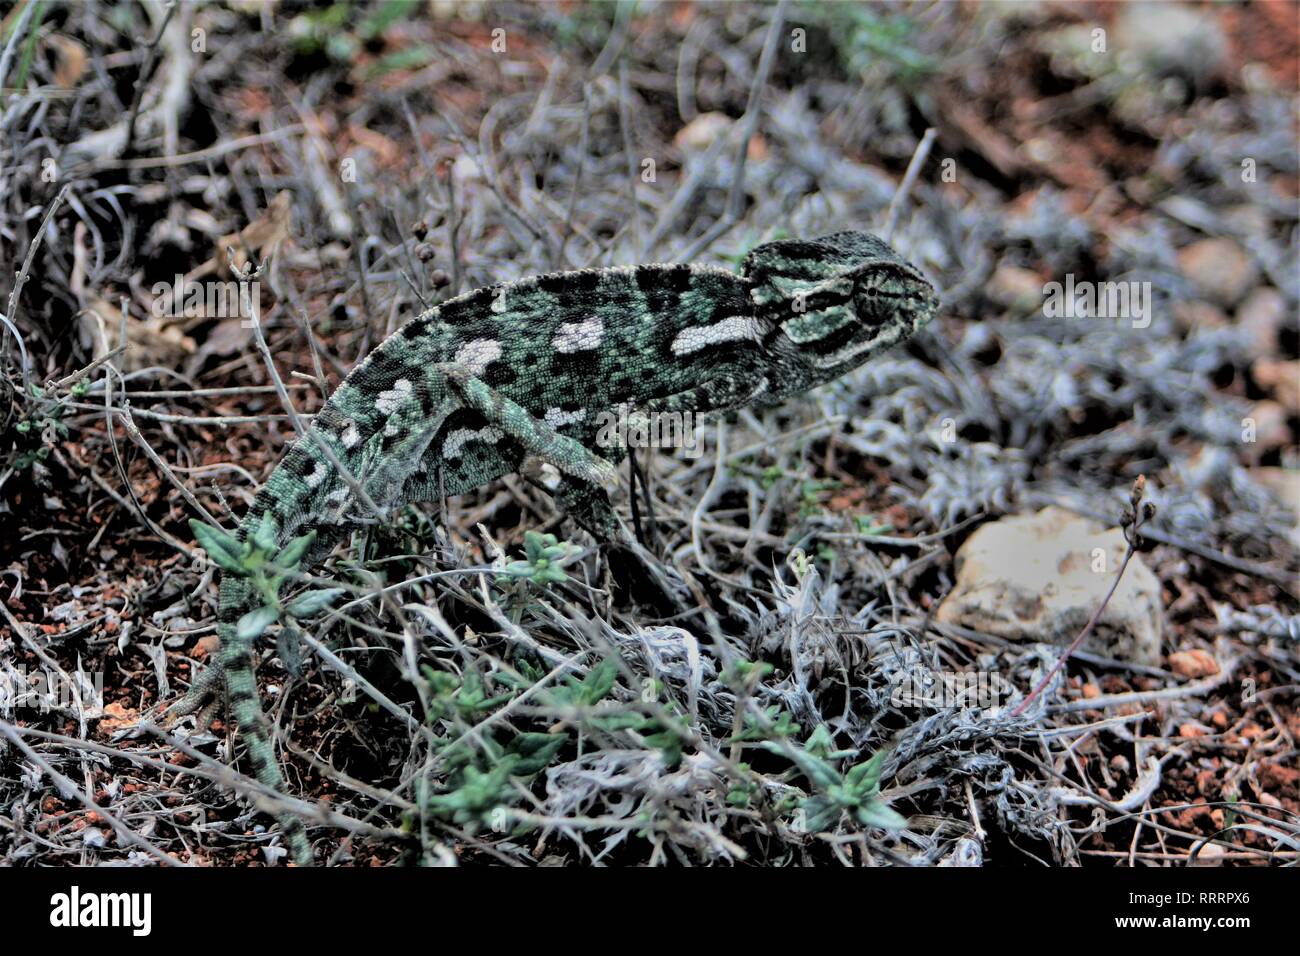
832	791
868	526
864	37
267	572
855	791
810	492
42	427
485	771
544	558
587	24
327	30
775	721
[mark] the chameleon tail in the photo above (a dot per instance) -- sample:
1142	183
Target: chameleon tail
241	688
299	491
236	597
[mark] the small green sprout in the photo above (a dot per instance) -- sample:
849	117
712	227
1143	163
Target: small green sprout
543	561
267	573
856	792
867	525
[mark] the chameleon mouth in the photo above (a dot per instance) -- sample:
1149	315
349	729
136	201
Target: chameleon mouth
862	347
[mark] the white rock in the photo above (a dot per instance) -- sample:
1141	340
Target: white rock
1263	315
1172	39
1219	269
1039	577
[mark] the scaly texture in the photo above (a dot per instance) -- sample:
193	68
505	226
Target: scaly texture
462	394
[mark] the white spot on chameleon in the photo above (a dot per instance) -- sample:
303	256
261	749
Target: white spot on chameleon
318	473
455	441
477	354
579	336
737	328
391	399
350	435
782	288
556	417
550	476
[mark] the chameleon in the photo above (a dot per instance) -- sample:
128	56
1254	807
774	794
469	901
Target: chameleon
468	390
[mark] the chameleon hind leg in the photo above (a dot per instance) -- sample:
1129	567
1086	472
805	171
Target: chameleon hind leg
205	696
588	503
378	471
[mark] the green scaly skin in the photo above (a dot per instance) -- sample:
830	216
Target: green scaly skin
462	394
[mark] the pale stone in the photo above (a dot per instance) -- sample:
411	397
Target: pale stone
1282	379
1039	577
1220	270
1269	420
1283	483
1016	288
1172	39
1195	315
1262	315
1194	663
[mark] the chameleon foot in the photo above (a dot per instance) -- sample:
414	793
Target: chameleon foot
206	697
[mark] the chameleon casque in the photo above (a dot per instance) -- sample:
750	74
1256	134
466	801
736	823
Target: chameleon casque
464	393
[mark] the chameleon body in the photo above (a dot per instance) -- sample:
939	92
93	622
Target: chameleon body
464	393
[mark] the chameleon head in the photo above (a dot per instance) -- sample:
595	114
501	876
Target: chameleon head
838	300
891	300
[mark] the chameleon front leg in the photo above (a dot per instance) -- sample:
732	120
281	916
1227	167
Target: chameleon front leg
590	507
588	502
586	479
628	560
534	435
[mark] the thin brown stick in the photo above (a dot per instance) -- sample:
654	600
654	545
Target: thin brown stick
21	278
913	169
151	56
1131	525
1074	645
